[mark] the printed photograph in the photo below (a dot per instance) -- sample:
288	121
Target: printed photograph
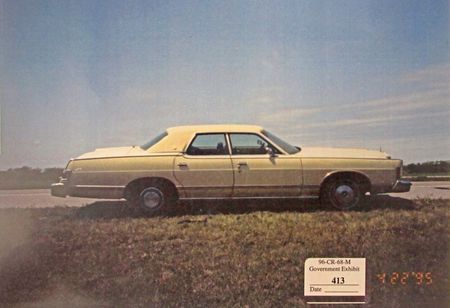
242	153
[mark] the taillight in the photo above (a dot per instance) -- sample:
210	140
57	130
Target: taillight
399	171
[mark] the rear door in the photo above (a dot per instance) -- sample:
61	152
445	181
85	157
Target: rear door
205	169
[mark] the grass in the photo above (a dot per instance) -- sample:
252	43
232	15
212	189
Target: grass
217	255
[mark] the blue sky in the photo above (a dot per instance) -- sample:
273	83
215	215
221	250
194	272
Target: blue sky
77	75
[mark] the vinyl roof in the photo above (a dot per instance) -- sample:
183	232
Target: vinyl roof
220	128
179	136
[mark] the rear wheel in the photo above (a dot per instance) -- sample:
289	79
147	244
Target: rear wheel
152	197
342	193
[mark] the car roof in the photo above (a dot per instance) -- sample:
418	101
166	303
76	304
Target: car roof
178	136
219	128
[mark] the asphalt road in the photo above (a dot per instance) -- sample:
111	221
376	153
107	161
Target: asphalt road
38	198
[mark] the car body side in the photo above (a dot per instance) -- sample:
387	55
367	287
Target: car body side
109	173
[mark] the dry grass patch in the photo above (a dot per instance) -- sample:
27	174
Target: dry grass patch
231	257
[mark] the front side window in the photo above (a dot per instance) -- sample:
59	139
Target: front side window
281	143
249	144
208	144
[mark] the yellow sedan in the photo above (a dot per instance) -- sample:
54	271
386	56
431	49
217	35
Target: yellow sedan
229	162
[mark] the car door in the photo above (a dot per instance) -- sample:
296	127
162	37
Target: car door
204	170
259	174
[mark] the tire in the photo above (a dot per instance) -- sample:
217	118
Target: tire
153	197
342	194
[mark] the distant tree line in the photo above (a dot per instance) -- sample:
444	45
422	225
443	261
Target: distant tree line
431	167
26	178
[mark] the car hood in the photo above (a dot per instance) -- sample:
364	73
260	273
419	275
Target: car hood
342	153
114	152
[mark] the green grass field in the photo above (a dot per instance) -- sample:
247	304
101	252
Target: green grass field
217	255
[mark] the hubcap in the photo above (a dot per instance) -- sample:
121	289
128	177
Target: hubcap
151	198
345	195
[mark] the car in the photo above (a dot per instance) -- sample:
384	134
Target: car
229	162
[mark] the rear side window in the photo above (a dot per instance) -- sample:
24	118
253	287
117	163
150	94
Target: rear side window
208	144
154	141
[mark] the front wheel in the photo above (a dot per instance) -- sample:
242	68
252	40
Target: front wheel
343	194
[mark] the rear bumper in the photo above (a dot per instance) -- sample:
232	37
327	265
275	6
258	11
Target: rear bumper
62	189
58	190
401	186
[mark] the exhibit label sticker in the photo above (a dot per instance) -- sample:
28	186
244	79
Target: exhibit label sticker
335	277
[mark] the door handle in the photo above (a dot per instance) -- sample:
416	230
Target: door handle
182	165
242	165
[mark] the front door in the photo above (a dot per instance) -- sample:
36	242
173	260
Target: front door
259	174
205	169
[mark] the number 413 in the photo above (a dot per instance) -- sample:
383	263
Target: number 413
338	280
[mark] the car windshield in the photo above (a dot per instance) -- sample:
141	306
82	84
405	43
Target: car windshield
154	141
289	148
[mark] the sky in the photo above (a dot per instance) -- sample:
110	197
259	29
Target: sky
79	75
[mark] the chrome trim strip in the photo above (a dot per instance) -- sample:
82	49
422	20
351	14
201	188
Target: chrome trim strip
337	303
248	186
348	170
205	187
266	186
149	154
337	157
236	198
99	186
310	185
149	171
223	156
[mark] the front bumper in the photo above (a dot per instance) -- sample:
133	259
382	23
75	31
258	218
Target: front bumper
401	186
58	190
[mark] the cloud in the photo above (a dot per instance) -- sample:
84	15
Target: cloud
264	99
405	102
411	123
371	121
427	98
289	114
268	96
428	88
437	76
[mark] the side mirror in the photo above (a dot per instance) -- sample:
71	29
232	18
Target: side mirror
271	152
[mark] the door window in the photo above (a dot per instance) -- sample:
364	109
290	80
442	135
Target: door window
249	144
208	144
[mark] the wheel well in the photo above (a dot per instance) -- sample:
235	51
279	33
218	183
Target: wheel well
130	189
358	177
